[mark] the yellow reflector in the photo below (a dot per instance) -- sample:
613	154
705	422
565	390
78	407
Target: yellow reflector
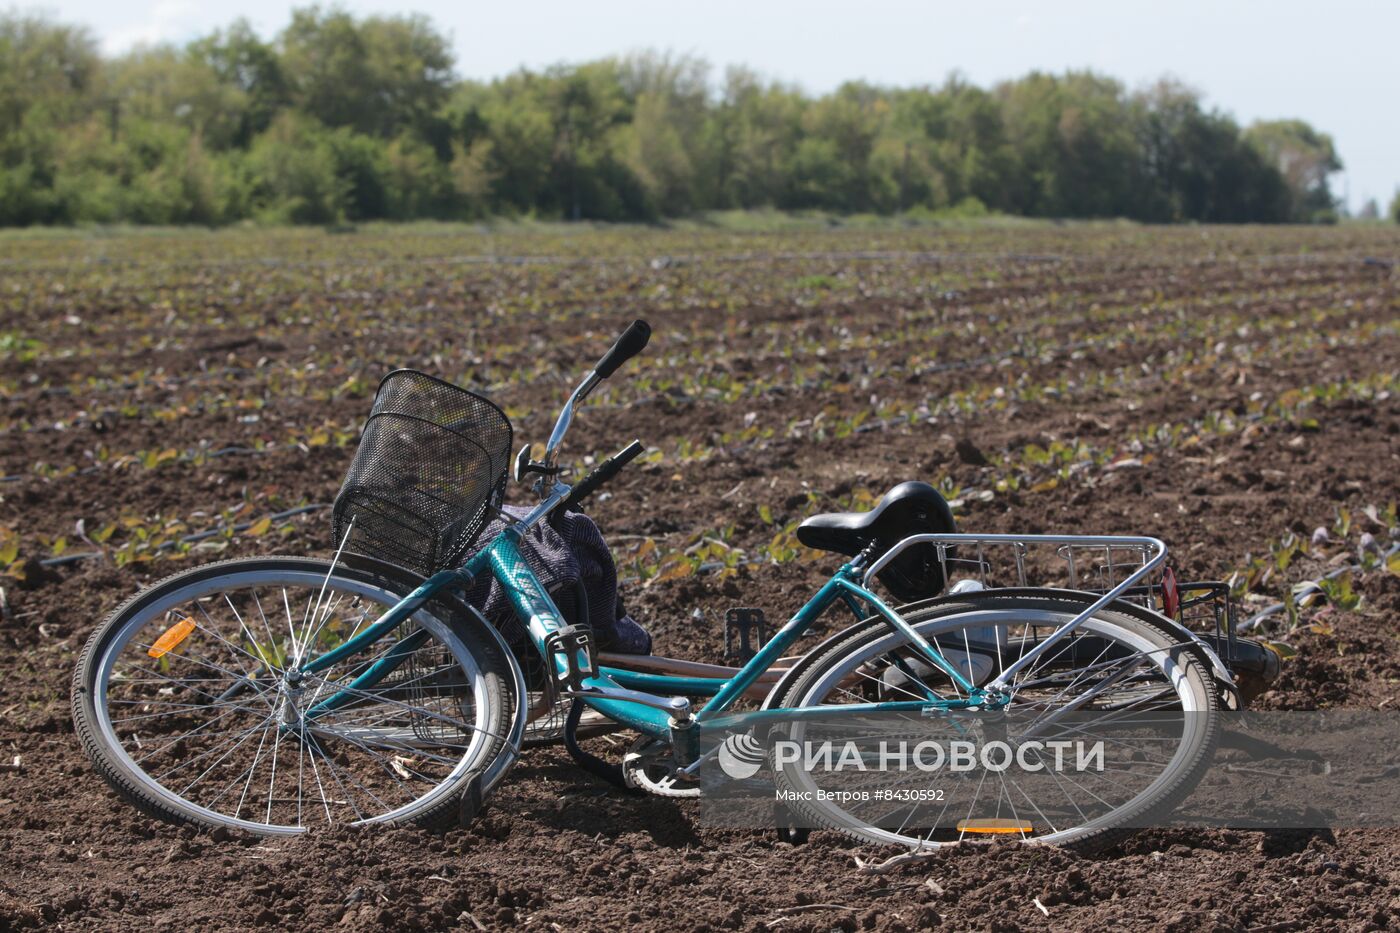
995	826
171	637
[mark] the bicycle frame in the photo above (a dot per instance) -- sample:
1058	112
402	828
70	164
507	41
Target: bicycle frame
635	699
541	617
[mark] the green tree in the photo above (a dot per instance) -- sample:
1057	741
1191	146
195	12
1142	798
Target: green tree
346	117
1073	135
586	104
664	144
50	80
295	173
419	183
954	147
174	87
361	166
831	167
508	126
1306	158
472	176
1197	165
378	75
251	66
754	131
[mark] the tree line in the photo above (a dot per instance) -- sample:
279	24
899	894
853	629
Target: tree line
341	118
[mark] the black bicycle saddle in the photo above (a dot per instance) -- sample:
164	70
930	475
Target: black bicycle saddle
911	508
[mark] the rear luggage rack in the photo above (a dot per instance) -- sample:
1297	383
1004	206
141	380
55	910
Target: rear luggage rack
1131	568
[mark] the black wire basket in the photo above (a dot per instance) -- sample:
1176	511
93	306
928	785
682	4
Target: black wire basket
428	475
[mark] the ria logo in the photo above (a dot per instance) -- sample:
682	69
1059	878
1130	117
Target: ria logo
741	756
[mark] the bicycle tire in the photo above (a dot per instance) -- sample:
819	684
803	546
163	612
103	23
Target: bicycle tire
1184	771
440	809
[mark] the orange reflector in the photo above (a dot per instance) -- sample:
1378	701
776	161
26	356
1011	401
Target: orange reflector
995	826
171	637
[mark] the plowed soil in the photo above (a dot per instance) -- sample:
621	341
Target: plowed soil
1226	387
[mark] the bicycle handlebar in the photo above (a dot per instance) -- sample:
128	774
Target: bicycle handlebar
604	472
632	341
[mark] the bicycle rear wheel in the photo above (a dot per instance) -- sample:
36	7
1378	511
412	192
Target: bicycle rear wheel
1122	679
188	702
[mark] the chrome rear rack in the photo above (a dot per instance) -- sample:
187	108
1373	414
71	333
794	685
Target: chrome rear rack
1114	567
1112	562
1151	554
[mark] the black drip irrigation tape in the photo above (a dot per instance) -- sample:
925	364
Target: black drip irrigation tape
187	455
661	262
188	539
172	383
548	260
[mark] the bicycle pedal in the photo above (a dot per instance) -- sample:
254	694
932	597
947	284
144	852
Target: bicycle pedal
745	631
575	643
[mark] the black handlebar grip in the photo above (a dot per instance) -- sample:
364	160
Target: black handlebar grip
633	341
601	474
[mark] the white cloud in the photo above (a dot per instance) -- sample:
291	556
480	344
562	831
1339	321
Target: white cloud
164	21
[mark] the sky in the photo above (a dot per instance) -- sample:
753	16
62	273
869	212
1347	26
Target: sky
1334	65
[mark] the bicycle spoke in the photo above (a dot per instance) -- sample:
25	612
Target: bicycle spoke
185	735
180	682
267	628
272	778
1131	689
378	698
321	789
218	738
252	769
245	736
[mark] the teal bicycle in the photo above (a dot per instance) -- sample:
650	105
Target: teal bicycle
281	694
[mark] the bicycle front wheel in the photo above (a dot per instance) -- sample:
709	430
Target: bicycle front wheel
189	702
1124	686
